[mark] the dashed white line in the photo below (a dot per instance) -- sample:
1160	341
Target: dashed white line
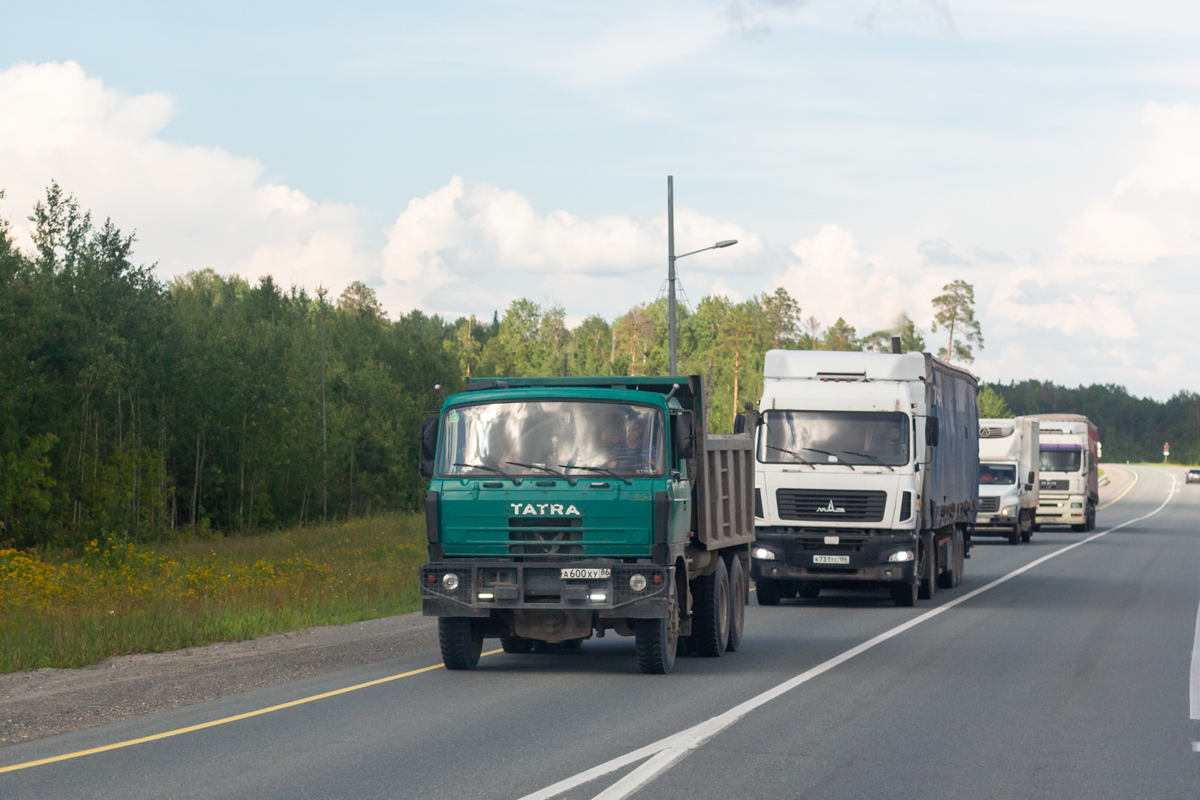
667	752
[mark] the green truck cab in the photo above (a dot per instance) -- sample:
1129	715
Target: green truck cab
562	508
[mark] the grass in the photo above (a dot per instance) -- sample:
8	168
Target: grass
70	610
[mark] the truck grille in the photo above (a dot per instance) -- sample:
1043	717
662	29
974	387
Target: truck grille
545	536
1055	486
830	506
989	505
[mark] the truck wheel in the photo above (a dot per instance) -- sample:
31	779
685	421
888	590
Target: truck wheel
927	586
1014	536
905	594
516	644
767	591
809	591
656	641
737	604
1027	531
960	558
461	640
710	612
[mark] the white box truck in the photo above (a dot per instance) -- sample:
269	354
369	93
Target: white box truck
1070	485
867	474
1008	478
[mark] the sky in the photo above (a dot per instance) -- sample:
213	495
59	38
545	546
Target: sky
458	156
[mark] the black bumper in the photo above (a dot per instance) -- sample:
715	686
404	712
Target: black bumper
533	585
866	558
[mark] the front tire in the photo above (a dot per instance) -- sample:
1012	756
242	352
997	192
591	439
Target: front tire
461	641
1014	536
710	612
657	640
516	644
905	594
767	591
927	586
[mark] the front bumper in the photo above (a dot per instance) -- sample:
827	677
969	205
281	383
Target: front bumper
1059	510
539	585
866	556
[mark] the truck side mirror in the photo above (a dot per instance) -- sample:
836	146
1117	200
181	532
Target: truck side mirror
931	431
429	436
685	435
739	423
1030	481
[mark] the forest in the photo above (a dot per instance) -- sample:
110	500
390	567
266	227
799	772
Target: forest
137	409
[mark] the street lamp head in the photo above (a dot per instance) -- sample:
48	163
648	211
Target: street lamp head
726	243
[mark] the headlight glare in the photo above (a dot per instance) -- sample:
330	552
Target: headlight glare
901	556
763	554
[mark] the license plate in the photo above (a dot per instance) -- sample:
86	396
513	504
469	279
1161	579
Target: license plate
829	560
576	574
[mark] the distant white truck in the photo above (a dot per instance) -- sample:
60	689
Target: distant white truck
1008	478
866	474
1070	485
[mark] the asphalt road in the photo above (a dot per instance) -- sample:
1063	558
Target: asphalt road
1068	679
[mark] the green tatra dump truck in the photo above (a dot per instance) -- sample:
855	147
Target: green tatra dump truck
559	508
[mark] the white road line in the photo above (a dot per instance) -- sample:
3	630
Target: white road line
1194	683
667	752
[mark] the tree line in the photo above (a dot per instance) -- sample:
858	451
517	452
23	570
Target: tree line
139	409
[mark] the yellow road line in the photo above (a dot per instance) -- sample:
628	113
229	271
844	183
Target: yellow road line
1122	494
226	720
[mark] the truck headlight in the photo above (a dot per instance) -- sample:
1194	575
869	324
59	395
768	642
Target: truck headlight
1076	505
450	581
763	554
1008	511
901	555
637	582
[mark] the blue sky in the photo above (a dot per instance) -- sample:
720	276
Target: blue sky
457	156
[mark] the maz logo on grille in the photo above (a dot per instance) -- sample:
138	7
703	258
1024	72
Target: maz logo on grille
830	509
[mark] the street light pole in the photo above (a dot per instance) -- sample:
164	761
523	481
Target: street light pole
671	271
671	258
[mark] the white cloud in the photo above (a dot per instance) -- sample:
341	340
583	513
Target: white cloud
192	207
470	244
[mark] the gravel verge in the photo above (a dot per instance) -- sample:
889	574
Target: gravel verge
45	702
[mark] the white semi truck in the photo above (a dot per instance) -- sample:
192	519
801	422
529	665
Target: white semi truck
1070	487
1008	478
867	474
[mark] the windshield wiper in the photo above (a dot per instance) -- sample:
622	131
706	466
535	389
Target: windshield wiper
827	453
867	455
599	469
565	477
516	481
791	453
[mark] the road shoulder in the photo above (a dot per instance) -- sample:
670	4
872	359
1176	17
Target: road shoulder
46	702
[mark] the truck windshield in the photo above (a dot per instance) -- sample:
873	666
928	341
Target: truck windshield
997	474
1061	458
849	437
533	438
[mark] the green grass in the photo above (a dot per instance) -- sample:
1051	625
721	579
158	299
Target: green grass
70	610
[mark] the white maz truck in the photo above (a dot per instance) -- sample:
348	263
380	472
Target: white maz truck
1008	478
1070	487
867	474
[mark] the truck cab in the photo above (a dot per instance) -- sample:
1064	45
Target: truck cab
1069	484
1008	478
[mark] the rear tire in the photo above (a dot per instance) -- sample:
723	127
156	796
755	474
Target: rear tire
737	604
767	591
516	644
710	612
904	594
1027	531
461	641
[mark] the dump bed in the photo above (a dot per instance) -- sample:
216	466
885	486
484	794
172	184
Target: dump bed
724	507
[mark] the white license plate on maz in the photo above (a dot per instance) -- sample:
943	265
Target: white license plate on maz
575	574
827	560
